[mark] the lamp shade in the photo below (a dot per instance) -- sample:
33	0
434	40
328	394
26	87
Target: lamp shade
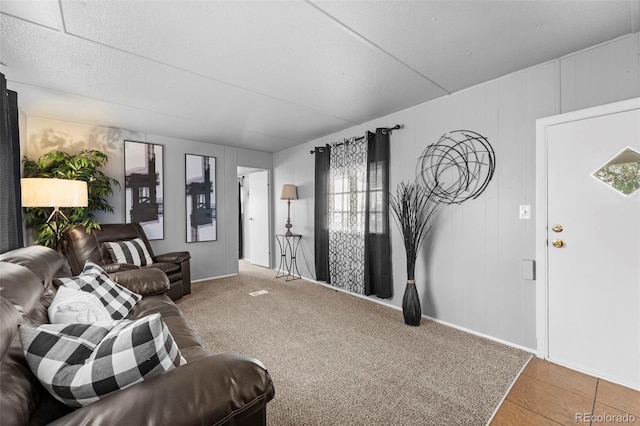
49	192
289	192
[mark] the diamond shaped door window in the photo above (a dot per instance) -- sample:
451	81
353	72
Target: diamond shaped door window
622	172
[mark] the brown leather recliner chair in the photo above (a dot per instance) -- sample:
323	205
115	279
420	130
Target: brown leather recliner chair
82	246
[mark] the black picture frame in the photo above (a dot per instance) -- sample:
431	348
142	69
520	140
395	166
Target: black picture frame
144	186
200	198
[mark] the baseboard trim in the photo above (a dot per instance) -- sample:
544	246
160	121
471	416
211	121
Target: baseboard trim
479	334
214	278
439	321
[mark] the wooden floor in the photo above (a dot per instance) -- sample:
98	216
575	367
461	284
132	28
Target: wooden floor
548	394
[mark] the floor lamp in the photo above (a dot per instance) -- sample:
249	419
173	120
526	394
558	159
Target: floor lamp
289	193
56	193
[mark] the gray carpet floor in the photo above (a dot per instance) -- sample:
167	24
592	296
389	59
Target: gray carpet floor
336	359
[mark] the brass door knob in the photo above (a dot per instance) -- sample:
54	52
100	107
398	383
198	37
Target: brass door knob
557	228
558	243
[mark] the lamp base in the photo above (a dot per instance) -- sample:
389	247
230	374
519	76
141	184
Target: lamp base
288	225
54	224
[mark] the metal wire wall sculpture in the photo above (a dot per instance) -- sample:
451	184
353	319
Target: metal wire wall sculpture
458	167
455	169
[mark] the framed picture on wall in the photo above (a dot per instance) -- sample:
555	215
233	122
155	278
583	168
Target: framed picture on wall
144	187
201	207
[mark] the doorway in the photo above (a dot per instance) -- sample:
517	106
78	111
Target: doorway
254	206
588	241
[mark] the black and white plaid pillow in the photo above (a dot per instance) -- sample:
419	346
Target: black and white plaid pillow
132	251
117	299
80	363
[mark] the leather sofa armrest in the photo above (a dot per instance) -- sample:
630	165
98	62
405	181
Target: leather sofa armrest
219	389
118	267
146	282
174	257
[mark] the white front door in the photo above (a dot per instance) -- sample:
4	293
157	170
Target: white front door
259	218
593	281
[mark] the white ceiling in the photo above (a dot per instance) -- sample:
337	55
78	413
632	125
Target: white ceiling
267	75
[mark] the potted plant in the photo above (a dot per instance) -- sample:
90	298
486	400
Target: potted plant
82	166
413	207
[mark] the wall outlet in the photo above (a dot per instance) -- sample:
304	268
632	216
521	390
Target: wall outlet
525	212
529	269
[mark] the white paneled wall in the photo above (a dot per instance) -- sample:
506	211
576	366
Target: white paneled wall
208	259
600	76
469	273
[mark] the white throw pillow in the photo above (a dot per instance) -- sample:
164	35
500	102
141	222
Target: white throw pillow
76	306
93	279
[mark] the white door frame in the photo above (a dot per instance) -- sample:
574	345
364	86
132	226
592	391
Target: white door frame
542	276
252	208
269	210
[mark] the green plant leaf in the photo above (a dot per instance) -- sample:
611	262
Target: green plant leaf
83	166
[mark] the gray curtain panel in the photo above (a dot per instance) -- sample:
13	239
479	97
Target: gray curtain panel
378	277
10	194
321	225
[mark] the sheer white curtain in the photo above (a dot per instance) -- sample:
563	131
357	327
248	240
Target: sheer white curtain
346	218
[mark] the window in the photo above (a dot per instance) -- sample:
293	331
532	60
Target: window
622	172
347	188
347	202
351	193
377	198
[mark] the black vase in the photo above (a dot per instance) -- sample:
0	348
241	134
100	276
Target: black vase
411	305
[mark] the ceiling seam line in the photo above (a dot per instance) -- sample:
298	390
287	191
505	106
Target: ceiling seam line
30	22
209	78
269	135
366	40
184	70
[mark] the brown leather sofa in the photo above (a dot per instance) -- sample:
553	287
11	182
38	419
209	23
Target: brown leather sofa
83	246
222	389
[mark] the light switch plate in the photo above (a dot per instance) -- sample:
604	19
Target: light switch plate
525	212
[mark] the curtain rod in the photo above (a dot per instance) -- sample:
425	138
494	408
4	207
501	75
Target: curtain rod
385	130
